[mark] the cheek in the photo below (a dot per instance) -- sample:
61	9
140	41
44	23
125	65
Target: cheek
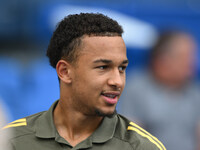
123	78
87	86
124	82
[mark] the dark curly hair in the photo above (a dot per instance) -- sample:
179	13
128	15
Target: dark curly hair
67	36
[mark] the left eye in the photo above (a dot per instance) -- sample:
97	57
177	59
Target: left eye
122	68
102	67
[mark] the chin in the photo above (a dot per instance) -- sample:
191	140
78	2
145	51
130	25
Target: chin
105	114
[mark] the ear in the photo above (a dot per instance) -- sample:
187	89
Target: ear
63	69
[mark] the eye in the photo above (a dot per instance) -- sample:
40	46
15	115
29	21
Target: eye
122	68
102	67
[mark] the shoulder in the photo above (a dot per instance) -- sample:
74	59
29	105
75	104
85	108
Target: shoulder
136	136
22	127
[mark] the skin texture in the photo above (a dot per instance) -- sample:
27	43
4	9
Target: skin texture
100	68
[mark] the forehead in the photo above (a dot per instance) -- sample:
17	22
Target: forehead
183	44
106	47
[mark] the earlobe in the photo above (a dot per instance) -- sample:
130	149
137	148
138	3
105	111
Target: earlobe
63	69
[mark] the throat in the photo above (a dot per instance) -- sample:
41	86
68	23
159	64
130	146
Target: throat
74	127
72	139
77	133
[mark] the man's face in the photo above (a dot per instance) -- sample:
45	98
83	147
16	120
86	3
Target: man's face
181	59
98	77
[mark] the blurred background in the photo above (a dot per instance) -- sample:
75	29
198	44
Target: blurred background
27	82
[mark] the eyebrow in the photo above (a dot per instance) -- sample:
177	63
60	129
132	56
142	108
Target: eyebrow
125	61
106	61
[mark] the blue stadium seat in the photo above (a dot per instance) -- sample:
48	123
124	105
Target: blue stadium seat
10	83
41	86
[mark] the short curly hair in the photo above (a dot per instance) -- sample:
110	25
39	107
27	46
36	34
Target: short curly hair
67	36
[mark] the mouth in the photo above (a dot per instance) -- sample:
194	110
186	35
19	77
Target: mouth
111	97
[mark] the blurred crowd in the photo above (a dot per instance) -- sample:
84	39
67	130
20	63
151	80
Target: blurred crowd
165	97
4	136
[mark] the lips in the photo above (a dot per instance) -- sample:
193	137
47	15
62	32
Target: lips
111	97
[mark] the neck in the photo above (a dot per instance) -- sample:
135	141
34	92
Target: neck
72	125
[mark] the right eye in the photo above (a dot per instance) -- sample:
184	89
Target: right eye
102	67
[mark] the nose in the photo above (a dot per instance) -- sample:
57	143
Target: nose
116	79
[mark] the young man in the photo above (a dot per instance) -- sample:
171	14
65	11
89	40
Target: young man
89	55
